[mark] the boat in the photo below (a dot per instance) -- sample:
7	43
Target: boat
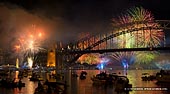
98	81
58	87
36	77
163	76
122	85
120	82
147	77
103	78
83	75
51	87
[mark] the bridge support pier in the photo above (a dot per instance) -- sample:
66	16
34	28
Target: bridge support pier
59	61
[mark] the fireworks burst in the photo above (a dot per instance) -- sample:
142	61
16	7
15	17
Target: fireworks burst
141	38
28	44
30	62
89	58
103	62
120	57
140	14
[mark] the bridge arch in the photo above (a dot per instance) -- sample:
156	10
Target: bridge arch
86	45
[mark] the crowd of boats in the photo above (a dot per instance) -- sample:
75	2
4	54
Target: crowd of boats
119	82
102	79
161	76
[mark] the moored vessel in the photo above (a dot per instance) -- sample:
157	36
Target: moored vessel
163	76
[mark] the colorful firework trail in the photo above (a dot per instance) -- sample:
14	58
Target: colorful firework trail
145	57
28	44
140	14
141	38
120	57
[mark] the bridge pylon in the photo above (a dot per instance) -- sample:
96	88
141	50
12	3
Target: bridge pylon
59	56
55	57
51	57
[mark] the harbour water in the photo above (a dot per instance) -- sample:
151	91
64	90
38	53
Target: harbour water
77	86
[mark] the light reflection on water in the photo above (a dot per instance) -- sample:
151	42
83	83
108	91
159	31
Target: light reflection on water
77	86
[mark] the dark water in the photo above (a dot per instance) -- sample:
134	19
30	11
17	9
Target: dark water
77	86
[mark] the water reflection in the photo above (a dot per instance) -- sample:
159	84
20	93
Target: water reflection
77	86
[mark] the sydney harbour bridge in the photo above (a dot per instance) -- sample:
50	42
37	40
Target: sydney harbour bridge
137	36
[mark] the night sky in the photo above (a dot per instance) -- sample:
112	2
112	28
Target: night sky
67	20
